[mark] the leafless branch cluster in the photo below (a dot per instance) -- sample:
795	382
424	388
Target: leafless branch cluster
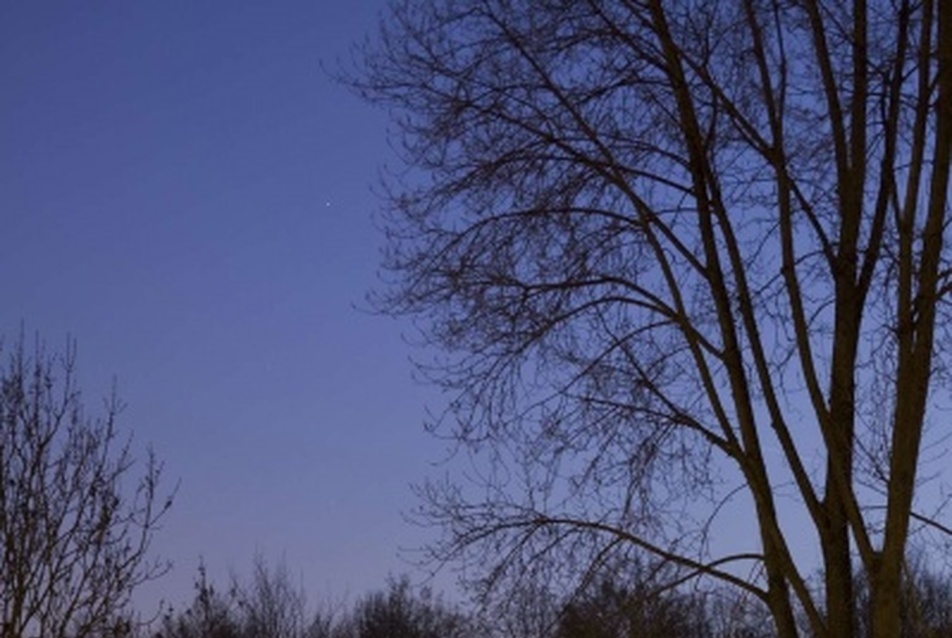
683	258
74	534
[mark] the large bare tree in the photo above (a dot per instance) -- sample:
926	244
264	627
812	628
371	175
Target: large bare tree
676	253
74	532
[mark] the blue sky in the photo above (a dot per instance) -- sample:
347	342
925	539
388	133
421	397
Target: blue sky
188	194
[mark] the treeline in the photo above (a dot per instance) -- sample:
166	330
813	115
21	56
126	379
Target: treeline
269	605
75	544
613	605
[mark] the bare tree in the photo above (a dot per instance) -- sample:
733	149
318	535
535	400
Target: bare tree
211	614
271	605
402	612
616	605
683	258
531	610
74	534
266	605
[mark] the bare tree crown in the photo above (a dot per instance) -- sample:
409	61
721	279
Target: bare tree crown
677	251
74	534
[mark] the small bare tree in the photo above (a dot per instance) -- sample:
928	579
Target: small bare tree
271	604
267	605
74	536
403	612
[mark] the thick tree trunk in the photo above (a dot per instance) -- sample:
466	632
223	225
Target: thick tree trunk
838	574
916	339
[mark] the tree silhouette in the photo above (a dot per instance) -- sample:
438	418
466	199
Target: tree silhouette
610	609
400	612
682	259
74	534
269	606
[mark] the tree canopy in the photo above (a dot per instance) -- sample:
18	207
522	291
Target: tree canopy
681	258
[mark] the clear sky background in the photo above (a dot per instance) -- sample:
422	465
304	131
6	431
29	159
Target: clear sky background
188	194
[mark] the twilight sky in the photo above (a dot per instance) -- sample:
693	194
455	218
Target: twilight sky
184	191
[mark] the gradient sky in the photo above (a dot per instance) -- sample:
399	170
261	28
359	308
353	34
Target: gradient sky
187	193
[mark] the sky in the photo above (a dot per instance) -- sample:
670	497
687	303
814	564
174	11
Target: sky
186	192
